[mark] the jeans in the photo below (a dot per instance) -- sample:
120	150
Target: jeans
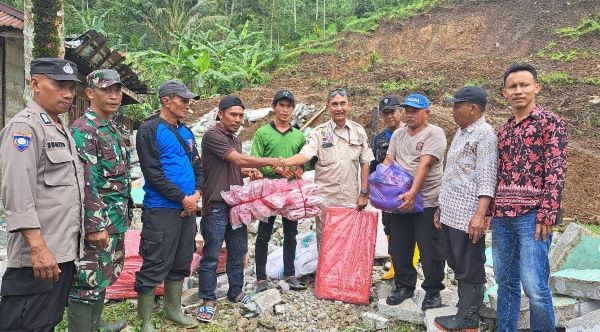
265	229
216	228
521	260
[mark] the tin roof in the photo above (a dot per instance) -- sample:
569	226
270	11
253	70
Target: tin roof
10	18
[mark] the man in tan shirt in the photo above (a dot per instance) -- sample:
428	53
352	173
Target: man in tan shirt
42	190
342	148
419	148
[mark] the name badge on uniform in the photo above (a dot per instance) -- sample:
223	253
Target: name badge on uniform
327	141
45	118
21	141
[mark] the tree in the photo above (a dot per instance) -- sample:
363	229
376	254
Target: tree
48	27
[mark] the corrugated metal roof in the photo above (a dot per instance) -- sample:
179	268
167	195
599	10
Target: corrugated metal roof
10	17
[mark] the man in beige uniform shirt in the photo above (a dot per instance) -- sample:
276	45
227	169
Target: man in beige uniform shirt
342	148
42	190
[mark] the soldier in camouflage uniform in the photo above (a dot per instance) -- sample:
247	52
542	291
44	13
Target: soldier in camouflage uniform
107	205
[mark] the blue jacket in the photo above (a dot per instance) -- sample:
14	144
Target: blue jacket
170	171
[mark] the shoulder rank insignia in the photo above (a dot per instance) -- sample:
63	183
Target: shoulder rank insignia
45	118
21	141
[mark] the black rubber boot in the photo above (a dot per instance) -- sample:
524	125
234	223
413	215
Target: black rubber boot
467	318
98	324
79	316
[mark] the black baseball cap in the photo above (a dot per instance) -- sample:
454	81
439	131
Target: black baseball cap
175	87
284	94
473	94
388	103
230	101
55	68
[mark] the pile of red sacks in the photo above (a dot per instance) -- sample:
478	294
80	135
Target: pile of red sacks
260	199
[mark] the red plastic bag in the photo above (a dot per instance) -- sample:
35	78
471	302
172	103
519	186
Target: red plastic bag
123	287
347	254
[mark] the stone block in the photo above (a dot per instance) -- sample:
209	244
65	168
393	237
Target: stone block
406	311
384	290
189	297
449	297
281	309
373	320
266	300
283	285
589	322
565	308
567	241
431	314
577	283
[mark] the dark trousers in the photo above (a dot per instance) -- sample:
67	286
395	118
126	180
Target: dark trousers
30	304
167	247
385	220
216	228
406	229
466	259
265	229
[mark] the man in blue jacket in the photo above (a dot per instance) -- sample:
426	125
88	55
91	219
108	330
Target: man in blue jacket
173	173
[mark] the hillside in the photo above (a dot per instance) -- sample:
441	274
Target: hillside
462	42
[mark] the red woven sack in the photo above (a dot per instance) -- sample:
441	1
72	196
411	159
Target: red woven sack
347	254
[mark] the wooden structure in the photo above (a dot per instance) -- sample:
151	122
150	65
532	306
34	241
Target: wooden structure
12	81
88	51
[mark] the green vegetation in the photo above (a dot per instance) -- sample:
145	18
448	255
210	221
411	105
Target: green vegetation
428	86
586	26
552	51
556	78
595	81
403	10
46	40
594	228
481	82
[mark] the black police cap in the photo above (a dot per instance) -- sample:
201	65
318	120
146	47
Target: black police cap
55	68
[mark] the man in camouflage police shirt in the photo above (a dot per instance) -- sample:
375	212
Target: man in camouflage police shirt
106	163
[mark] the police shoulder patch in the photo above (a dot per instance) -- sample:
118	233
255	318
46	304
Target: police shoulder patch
45	118
21	141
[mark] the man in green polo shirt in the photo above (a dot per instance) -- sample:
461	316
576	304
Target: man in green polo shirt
278	139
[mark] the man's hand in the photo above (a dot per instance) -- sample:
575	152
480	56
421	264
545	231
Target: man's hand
362	202
44	264
254	174
436	219
409	201
190	204
477	227
298	172
545	230
98	239
277	162
283	171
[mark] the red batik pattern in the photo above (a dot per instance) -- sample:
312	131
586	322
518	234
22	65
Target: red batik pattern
532	166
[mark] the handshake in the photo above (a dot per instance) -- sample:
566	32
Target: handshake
282	169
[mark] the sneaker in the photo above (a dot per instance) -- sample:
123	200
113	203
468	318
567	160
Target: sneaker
295	284
431	301
399	295
261	286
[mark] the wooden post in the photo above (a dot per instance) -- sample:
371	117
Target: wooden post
374	119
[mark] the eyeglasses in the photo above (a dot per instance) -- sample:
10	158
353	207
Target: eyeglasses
338	91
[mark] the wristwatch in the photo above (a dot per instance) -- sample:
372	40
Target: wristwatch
364	192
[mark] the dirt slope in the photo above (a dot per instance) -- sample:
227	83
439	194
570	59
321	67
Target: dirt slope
458	42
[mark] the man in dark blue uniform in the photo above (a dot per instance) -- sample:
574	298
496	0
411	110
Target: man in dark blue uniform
173	173
389	108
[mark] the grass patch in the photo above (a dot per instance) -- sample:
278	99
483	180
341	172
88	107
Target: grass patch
374	58
552	52
593	228
557	78
595	81
402	11
411	85
480	82
586	26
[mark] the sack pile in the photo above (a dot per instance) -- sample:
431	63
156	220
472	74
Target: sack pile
260	199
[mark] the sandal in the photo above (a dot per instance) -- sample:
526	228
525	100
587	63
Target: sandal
294	283
243	298
207	309
261	286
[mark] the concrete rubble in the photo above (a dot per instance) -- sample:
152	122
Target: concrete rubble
589	322
375	321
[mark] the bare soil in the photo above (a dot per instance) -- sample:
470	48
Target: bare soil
455	43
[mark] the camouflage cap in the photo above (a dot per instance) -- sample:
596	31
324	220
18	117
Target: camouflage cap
103	78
